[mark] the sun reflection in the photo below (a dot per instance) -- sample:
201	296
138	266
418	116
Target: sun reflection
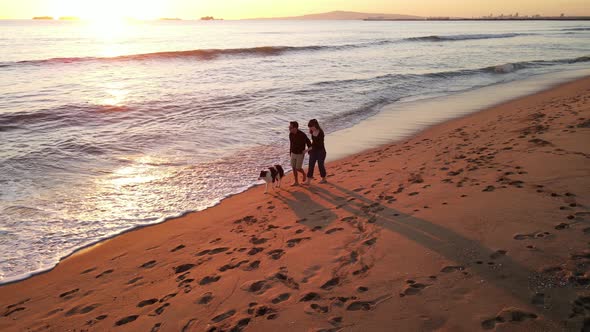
116	97
111	35
142	171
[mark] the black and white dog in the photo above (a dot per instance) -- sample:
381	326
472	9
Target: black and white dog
273	176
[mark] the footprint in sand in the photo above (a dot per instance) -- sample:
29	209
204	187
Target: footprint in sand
412	288
367	305
81	309
292	242
498	254
88	270
209	279
69	294
177	248
314	307
536	235
212	251
255	240
332	230
281	298
362	270
156	327
257	287
286	280
452	268
54	311
11	311
254	251
511	315
149	264
96	320
311	296
561	226
336	320
160	309
205	298
269	312
105	273
167	297
489	189
276	253
183	268
252	266
146	302
331	283
231	266
240	325
126	320
134	280
185	284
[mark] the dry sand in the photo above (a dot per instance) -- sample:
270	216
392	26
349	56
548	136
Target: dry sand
475	224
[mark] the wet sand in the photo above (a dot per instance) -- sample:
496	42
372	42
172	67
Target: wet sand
479	223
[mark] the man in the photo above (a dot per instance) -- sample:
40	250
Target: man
298	141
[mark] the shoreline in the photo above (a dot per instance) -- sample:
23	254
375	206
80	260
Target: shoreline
451	228
376	140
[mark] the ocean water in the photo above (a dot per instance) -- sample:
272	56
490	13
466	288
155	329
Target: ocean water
104	128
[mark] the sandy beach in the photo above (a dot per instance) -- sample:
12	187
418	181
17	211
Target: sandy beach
479	223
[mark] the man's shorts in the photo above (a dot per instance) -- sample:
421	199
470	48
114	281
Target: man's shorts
297	160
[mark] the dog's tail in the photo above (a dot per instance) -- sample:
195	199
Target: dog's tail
279	169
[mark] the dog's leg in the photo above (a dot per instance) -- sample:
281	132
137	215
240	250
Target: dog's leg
266	188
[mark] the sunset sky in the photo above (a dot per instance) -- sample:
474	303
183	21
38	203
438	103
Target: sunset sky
238	9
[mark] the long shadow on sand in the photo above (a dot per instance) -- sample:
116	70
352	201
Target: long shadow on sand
305	207
522	282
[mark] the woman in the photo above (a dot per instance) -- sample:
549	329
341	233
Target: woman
317	151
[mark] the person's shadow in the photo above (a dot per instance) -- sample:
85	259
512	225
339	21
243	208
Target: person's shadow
469	254
309	213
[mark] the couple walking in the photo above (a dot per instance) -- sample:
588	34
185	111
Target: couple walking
317	151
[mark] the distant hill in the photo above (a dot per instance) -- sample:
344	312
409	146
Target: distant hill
343	15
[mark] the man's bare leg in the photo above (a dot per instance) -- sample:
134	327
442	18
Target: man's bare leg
302	174
296	177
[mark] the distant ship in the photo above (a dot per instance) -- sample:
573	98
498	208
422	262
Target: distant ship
170	19
69	18
43	18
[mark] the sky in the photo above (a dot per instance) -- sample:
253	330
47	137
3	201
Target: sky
241	9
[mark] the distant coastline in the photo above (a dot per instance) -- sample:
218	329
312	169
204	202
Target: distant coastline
355	16
346	15
540	18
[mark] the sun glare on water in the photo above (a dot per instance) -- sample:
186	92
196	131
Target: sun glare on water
107	12
111	22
